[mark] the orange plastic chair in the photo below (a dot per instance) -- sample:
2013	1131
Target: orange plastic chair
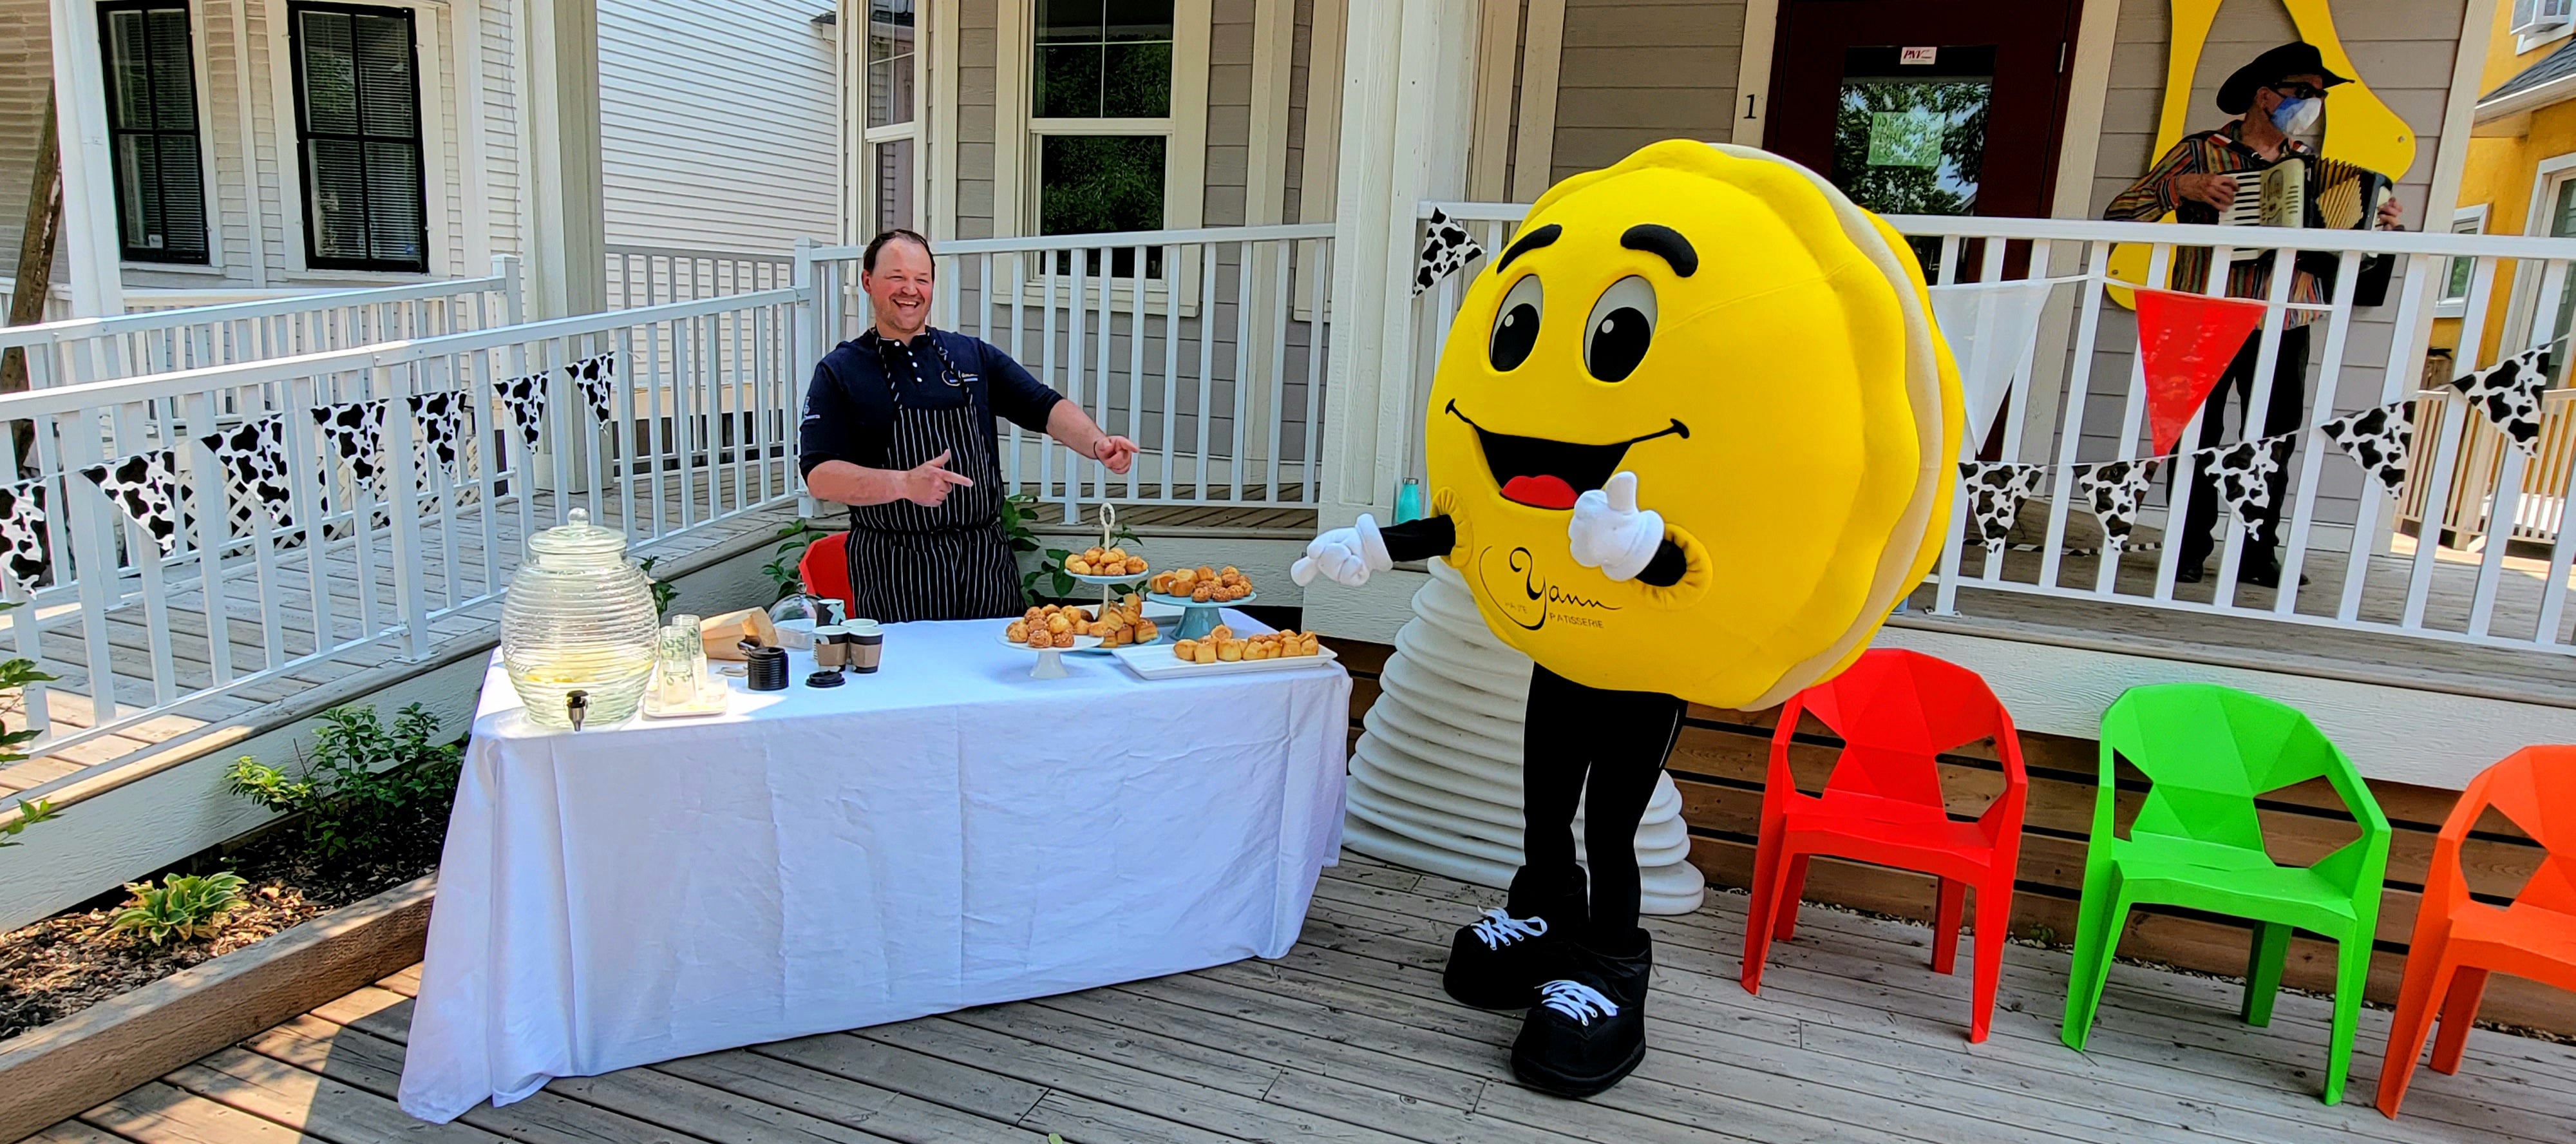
825	569
2458	940
1895	711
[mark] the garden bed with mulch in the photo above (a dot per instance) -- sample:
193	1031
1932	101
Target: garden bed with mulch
71	961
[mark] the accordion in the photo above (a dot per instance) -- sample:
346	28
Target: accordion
2316	193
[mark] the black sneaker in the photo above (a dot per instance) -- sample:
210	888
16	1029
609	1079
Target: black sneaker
1498	962
1589	1028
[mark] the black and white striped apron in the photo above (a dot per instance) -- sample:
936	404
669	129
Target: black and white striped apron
912	562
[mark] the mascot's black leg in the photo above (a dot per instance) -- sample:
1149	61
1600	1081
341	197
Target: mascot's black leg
1589	1028
1499	961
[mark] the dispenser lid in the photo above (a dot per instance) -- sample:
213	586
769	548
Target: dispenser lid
577	537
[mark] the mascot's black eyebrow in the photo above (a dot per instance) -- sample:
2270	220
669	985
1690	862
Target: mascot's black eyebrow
1527	243
1666	242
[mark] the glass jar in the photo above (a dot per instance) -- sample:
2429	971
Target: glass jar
579	618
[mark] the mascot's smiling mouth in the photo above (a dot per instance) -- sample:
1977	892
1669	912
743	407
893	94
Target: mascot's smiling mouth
1549	474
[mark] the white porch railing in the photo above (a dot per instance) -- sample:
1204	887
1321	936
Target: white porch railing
194	335
1199	344
2079	399
700	427
653	275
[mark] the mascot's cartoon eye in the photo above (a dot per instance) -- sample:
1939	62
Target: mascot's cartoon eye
1516	326
1622	326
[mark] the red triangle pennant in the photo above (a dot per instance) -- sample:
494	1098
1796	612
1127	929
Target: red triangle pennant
2184	344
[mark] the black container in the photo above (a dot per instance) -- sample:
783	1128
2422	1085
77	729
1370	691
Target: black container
765	668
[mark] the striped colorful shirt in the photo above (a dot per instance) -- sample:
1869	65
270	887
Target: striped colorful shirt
2211	153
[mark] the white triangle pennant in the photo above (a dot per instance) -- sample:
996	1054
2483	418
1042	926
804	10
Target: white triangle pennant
1991	328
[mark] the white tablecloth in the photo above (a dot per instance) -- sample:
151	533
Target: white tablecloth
945	833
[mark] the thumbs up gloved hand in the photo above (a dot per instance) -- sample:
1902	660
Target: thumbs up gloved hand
1344	556
1611	533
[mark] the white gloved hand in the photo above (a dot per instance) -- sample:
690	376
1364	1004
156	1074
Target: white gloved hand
1344	556
1610	533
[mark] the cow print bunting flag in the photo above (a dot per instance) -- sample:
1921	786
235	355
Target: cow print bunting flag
2508	393
253	456
597	377
1446	246
2378	440
444	428
145	487
355	434
22	527
526	399
2113	490
1995	492
2244	470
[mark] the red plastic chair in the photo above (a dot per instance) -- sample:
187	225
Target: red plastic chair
2458	940
825	569
1895	711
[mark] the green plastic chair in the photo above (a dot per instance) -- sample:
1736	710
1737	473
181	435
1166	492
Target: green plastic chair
2210	751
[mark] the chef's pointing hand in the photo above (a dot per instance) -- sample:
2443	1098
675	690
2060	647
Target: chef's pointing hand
927	483
1611	533
1344	556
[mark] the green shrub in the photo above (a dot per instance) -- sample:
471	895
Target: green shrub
184	906
792	538
361	781
662	593
29	814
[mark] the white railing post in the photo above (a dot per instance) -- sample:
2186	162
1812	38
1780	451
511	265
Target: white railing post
807	346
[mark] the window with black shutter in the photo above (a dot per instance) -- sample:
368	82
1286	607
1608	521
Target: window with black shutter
357	111
152	131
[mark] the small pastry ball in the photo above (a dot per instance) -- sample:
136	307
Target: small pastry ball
1135	565
1146	632
1059	622
1185	649
1019	630
1308	644
1033	614
1221	632
1038	638
1202	593
1229	651
1206	652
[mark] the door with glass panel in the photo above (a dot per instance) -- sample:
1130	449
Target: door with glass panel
1925	106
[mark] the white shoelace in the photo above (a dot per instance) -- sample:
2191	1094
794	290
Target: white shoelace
1500	928
1577	1000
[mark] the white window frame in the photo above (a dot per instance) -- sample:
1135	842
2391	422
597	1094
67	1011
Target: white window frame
862	165
1017	134
207	160
2525	37
2524	299
429	47
2476	217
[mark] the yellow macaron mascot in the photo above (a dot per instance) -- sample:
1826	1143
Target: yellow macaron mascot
1691	440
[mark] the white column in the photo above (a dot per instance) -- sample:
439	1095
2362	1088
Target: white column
1408	81
567	236
89	177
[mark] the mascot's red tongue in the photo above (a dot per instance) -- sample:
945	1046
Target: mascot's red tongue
1539	492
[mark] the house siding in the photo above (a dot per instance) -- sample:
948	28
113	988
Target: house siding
718	128
978	77
1633	73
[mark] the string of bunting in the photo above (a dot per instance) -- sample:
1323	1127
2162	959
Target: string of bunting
2378	439
1446	247
145	487
597	377
22	528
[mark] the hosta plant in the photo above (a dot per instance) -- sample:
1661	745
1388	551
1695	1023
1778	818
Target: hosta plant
184	906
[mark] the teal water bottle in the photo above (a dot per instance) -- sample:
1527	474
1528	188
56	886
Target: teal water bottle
1408	501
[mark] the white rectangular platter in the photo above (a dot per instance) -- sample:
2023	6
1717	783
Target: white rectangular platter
1155	661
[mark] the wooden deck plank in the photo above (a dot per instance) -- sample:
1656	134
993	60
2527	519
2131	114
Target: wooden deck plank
161	1114
1349	1038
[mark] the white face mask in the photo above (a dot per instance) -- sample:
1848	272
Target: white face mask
2296	116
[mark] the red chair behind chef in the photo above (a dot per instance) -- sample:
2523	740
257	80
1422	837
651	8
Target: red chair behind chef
825	569
1896	712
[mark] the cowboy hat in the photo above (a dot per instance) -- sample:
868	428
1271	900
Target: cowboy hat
2290	59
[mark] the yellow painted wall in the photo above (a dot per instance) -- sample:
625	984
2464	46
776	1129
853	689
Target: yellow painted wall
2499	174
